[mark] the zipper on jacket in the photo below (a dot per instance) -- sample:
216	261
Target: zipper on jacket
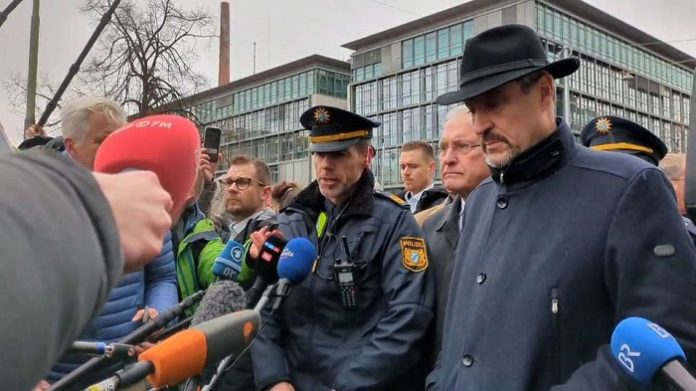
556	333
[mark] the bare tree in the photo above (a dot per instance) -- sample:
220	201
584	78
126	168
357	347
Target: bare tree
145	55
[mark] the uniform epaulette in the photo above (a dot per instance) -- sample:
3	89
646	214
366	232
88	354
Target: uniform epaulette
393	197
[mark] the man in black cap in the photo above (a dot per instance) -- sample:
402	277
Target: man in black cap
609	133
559	245
616	134
358	321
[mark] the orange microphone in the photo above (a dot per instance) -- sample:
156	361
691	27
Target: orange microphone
186	353
168	145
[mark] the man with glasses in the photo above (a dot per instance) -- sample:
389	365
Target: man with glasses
463	168
358	321
246	187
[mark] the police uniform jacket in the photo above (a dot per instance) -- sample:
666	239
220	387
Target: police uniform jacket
555	251
316	343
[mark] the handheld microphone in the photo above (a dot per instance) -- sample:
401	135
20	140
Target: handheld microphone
228	264
294	266
97	367
187	353
265	267
102	349
168	145
643	349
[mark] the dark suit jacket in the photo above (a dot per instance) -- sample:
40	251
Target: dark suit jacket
441	235
431	197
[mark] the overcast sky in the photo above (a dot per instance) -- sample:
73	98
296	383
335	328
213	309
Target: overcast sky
284	31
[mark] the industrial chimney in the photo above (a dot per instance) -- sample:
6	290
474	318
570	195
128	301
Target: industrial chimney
224	66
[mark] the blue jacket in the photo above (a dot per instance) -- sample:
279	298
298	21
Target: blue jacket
154	286
318	344
555	251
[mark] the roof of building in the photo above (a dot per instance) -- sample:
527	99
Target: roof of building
580	9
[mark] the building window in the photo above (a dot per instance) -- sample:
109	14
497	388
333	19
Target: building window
443	46
419	50
431	47
407	53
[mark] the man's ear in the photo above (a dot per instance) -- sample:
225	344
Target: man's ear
69	145
369	156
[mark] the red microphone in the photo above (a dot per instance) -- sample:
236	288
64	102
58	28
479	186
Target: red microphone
168	145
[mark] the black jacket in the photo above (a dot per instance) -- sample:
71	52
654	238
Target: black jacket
429	198
555	251
316	343
442	234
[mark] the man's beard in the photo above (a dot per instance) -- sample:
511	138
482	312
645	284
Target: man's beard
508	156
500	163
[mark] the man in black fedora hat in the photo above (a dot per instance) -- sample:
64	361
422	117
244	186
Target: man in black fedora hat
358	321
559	245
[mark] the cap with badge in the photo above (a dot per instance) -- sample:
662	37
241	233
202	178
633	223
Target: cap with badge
609	133
332	129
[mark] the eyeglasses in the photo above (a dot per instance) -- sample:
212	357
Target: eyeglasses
460	148
241	182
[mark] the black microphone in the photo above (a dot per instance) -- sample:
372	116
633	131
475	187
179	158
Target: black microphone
644	349
265	267
98	367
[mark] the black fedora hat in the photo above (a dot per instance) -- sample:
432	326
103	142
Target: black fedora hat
501	55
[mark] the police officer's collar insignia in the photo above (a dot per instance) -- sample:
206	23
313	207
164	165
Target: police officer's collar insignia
321	116
397	199
603	126
414	256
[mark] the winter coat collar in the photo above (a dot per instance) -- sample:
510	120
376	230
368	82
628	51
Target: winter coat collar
360	204
541	160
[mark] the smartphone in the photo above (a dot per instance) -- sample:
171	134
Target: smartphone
211	142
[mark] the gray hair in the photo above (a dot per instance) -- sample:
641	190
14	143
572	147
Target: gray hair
76	113
673	165
455	111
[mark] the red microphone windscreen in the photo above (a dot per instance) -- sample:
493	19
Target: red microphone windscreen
168	145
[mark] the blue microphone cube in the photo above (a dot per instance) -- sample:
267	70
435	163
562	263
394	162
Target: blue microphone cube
229	263
642	348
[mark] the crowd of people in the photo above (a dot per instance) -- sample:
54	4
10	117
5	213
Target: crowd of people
511	275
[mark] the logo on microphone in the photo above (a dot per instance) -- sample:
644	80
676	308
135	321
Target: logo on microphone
662	333
625	355
237	254
287	253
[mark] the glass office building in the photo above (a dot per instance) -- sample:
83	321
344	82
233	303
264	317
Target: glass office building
398	73
260	114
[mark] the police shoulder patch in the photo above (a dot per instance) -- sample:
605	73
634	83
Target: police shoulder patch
393	197
413	254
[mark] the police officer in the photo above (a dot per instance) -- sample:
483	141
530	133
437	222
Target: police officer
357	322
609	133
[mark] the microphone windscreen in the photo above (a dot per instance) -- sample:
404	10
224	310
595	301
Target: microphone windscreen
221	298
296	260
168	145
642	347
